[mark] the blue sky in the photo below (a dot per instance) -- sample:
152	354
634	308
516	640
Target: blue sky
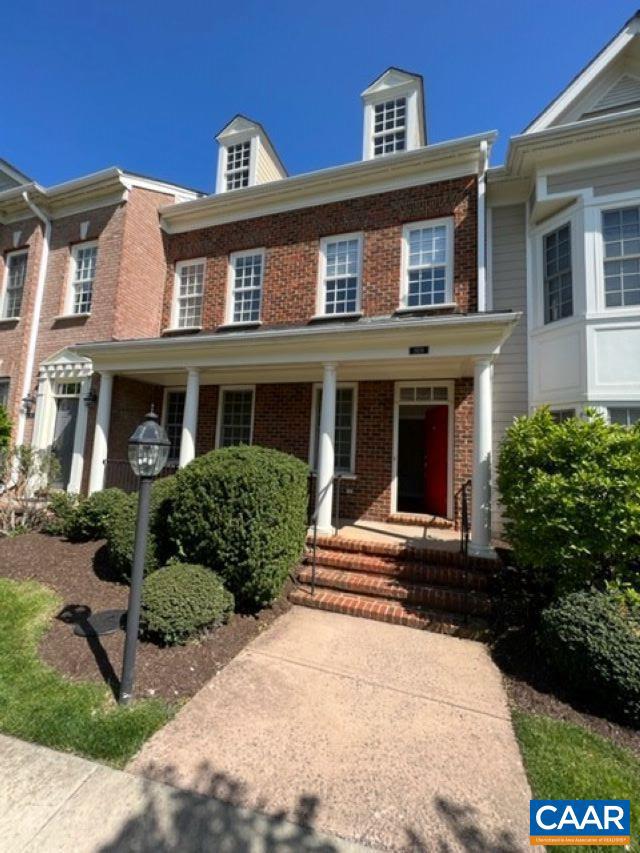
146	84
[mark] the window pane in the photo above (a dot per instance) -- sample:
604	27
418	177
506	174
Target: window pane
190	292
389	126
173	422
558	278
4	393
621	237
235	427
247	288
16	277
427	266
238	160
84	274
344	464
624	415
342	276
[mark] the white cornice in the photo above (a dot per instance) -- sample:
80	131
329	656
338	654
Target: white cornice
425	165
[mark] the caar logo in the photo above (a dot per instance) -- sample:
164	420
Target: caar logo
579	822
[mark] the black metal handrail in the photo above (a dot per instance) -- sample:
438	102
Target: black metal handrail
118	473
464	541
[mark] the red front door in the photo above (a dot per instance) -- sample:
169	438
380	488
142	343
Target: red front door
436	455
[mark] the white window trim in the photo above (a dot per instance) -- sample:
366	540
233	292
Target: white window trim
70	291
450	402
231	280
447	221
165	408
315	415
535	287
221	390
321	292
543	261
601	307
5	283
187	262
406	90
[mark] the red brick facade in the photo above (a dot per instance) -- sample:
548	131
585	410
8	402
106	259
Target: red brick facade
292	241
282	420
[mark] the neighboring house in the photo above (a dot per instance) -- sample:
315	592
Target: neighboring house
79	261
364	317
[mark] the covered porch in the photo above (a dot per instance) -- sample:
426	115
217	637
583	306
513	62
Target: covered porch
341	396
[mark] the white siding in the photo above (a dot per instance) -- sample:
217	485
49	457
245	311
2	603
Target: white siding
605	179
266	169
509	288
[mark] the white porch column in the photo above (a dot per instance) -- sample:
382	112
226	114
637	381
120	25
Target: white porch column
101	434
481	486
325	463
77	460
190	418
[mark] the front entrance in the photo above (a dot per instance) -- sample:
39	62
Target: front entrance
422	451
63	437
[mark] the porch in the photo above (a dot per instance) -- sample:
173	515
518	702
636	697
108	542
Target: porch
334	395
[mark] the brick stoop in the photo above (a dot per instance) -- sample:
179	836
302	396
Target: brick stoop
419	587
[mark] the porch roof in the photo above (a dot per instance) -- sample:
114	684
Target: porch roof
377	347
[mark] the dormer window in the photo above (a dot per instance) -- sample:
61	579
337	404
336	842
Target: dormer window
246	157
393	114
238	164
390	126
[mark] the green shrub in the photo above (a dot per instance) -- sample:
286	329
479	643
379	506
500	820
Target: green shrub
61	511
91	517
5	429
181	600
242	512
121	528
592	642
570	492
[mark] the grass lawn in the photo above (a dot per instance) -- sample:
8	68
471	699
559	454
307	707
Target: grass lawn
38	704
565	761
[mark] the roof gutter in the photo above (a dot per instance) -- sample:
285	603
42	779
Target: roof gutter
37	308
482	225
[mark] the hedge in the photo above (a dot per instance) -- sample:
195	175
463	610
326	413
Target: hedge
592	642
90	519
181	600
242	511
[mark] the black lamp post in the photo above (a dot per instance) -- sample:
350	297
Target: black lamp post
148	453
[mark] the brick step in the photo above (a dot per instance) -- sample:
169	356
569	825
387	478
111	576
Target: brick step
378	586
395	551
395	612
421	520
406	569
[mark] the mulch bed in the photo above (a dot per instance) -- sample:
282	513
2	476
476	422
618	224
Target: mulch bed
80	575
532	689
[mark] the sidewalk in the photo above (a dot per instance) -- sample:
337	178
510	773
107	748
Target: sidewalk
58	803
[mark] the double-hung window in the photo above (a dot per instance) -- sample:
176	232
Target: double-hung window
235	417
621	239
83	273
238	165
624	415
345	429
15	277
245	295
173	417
428	264
4	391
340	265
189	292
558	277
390	126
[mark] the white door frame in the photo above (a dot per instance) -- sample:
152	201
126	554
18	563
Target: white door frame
449	402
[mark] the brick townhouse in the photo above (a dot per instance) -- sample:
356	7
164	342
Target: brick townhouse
384	320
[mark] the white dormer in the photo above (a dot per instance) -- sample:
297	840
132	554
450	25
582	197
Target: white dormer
246	156
393	114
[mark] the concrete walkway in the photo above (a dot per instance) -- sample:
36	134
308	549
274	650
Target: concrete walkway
51	802
397	738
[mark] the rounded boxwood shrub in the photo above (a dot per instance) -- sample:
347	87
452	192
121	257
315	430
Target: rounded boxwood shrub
61	510
90	520
242	511
592	642
121	528
181	600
